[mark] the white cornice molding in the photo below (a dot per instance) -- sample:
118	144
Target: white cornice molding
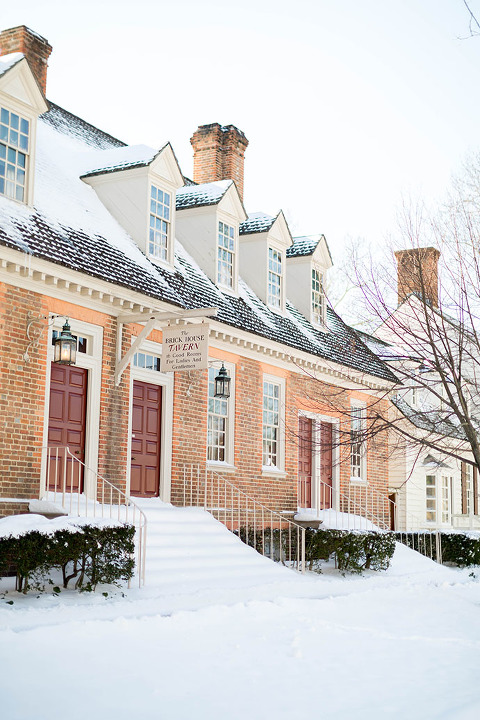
59	282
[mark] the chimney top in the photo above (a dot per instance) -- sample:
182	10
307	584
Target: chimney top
218	154
36	49
417	270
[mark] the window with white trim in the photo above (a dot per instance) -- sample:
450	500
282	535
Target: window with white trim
318	297
217	422
146	361
272	398
159	231
226	255
437	498
275	278
357	443
14	149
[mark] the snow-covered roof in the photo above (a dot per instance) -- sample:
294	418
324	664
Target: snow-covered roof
71	227
121	158
432	420
305	245
204	194
8	61
258	222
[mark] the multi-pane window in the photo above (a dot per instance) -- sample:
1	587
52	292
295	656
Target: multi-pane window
14	132
318	297
437	498
274	278
357	442
225	254
217	422
147	362
159	223
271	424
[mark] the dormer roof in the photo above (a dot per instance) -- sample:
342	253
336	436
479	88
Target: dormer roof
18	80
258	222
223	192
8	61
200	195
132	156
261	223
309	245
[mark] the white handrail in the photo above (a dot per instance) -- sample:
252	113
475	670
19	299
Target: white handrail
255	524
65	472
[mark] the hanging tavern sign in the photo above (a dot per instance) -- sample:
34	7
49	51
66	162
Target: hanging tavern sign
185	347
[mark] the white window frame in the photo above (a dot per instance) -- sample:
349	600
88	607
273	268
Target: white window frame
279	468
275	279
153	185
318	317
232	252
440	499
228	463
13	147
362	464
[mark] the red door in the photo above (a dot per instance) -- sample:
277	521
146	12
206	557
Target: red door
305	462
66	426
326	469
146	425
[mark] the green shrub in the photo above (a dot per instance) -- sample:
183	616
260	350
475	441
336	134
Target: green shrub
353	551
90	554
458	548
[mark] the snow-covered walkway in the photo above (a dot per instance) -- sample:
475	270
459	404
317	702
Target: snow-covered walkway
220	632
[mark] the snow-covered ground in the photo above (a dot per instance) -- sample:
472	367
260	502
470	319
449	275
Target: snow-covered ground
220	632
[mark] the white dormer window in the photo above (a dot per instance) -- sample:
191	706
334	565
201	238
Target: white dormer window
14	147
225	255
159	232
275	278
318	297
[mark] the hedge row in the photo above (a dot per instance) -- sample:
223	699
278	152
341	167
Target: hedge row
458	548
89	555
352	551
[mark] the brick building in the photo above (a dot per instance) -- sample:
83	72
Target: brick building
90	231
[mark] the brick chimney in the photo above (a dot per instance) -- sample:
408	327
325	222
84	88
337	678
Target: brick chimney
35	48
418	273
218	154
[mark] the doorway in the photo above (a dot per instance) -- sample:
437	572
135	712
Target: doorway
66	426
146	434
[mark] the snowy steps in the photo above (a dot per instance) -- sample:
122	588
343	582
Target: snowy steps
187	545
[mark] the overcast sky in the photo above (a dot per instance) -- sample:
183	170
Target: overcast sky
347	104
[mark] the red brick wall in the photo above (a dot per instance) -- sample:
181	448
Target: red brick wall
21	386
35	48
302	393
22	394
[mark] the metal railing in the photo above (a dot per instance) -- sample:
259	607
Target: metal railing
361	507
68	480
269	532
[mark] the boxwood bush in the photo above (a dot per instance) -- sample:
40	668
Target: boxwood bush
352	550
458	548
88	554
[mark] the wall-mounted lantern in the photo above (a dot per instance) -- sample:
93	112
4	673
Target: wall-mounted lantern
65	347
222	384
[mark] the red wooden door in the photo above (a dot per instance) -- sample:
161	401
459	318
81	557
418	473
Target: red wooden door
326	467
305	462
66	426
146	425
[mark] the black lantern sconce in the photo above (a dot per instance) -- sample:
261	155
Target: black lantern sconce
65	347
222	384
65	344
